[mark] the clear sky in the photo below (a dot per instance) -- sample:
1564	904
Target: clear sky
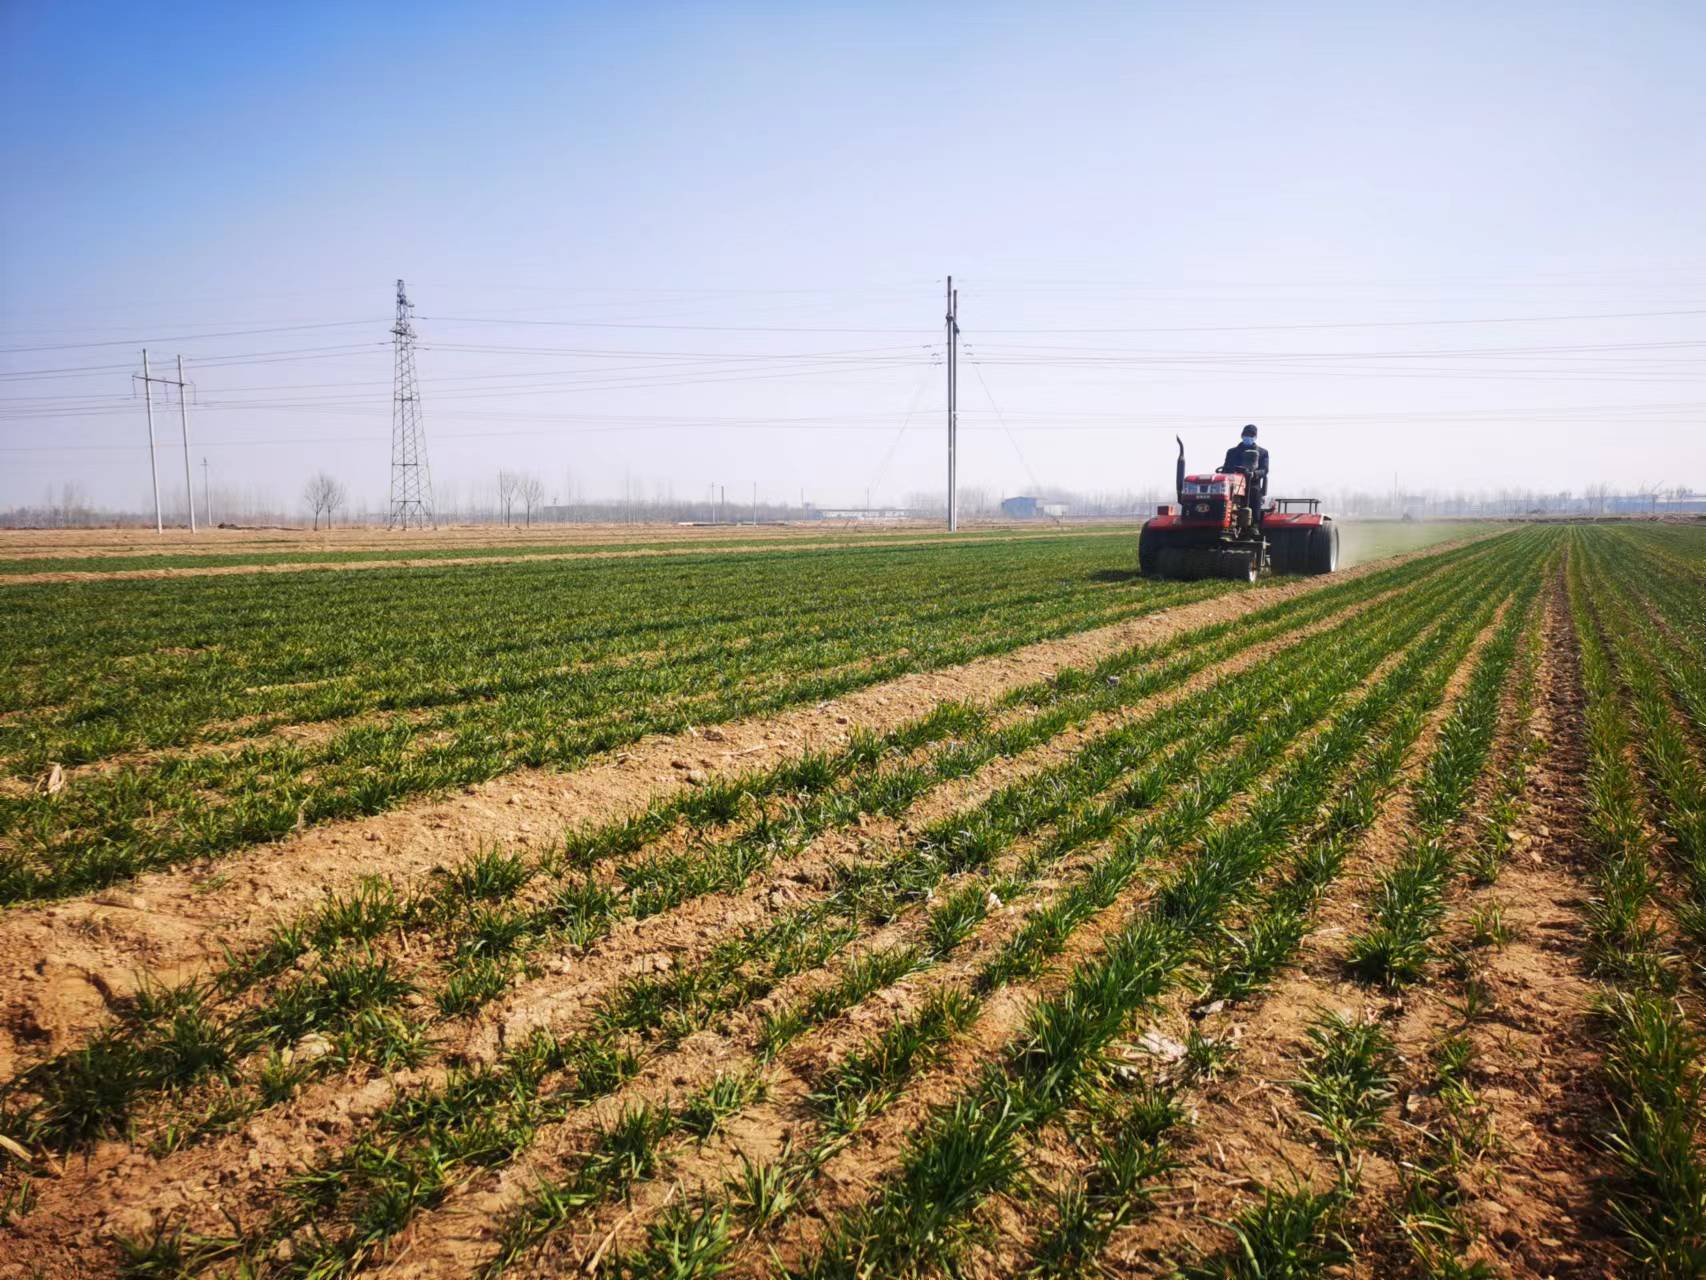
679	245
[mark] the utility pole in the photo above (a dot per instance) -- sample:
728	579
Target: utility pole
153	462
148	381
184	425
953	321
206	492
755	504
722	501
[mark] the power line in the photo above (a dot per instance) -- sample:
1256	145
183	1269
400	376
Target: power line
683	328
187	337
1366	324
1200	422
977	368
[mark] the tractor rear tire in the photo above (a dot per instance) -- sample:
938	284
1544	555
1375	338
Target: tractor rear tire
1323	549
1146	553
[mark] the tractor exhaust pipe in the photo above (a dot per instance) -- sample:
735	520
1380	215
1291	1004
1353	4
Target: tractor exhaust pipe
1179	474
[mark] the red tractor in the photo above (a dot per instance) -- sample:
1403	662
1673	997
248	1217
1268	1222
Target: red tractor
1215	530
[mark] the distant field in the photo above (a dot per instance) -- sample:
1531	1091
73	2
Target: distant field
213	550
130	552
1364	540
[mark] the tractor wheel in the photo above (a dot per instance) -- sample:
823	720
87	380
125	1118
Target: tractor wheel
1146	553
1324	549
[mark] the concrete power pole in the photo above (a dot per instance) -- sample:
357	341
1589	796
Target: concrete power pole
148	381
153	462
206	494
184	425
953	322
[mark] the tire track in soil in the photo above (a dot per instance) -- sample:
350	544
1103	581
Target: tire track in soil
118	1191
64	964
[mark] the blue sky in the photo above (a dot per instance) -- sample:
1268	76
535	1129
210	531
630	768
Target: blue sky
1162	218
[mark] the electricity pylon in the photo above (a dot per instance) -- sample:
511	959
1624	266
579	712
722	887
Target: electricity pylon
411	478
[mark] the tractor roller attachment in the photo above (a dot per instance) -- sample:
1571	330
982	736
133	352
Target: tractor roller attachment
1187	564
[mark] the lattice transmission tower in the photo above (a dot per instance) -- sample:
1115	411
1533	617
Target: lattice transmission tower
411	478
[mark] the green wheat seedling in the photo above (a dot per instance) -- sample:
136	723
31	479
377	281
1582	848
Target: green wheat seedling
1291	1233
1346	1082
556	694
1407	906
552	693
1653	1065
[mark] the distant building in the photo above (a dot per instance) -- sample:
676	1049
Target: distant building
1028	508
859	513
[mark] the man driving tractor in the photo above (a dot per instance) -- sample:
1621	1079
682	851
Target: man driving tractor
1251	459
1216	526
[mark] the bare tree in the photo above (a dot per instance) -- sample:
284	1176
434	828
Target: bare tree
73	504
531	490
324	493
507	484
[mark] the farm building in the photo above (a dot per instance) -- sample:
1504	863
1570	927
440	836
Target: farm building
860	513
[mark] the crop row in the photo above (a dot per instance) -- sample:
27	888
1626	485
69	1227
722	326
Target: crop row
132	817
182	656
418	1149
1654	1068
1346	1078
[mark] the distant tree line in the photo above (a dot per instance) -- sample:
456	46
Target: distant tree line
523	499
